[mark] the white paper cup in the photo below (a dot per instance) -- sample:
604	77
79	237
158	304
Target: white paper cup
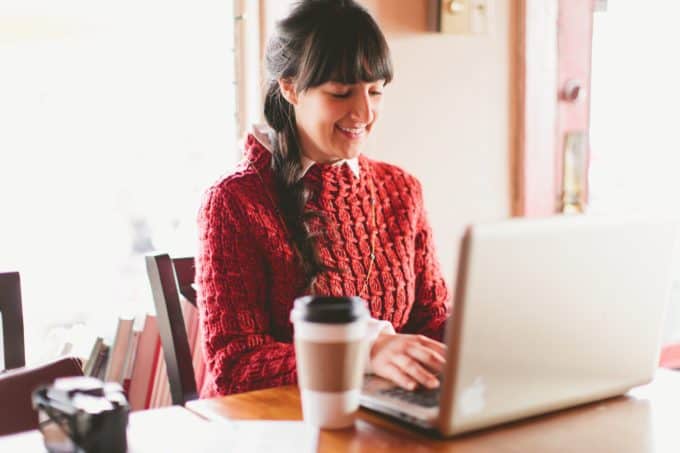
330	348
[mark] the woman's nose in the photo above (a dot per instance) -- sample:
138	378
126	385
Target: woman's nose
362	109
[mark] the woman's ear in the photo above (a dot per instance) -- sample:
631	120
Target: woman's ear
288	91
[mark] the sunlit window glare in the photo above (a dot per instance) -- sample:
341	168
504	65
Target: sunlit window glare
634	114
114	117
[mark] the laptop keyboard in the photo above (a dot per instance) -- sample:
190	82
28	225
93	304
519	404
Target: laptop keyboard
421	396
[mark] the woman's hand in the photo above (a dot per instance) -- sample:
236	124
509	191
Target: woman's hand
408	360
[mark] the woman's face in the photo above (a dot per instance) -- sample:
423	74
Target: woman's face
334	119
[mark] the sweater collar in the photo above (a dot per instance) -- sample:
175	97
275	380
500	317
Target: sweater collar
261	134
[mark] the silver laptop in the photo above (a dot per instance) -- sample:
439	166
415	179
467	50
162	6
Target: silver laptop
547	314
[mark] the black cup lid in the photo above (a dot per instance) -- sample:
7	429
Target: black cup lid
330	310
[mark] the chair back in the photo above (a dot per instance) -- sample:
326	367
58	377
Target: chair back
16	386
169	278
12	321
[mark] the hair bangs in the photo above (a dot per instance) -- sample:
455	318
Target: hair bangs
347	49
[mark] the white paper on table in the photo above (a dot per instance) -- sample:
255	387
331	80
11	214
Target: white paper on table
175	429
268	436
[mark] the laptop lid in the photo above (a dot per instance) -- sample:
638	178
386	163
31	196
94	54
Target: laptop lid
551	313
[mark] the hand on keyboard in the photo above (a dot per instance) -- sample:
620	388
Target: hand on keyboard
408	360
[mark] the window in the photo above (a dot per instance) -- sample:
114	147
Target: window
114	118
635	163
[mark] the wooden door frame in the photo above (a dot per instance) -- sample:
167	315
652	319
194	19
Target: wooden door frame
533	159
553	43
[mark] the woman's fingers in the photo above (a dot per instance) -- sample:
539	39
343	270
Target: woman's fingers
413	369
432	344
432	359
409	360
399	377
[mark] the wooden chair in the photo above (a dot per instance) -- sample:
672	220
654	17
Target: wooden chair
12	320
169	278
16	386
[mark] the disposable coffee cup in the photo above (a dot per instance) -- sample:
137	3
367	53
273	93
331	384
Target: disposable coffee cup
330	350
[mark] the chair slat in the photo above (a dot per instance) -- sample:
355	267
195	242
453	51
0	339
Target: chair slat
164	275
12	320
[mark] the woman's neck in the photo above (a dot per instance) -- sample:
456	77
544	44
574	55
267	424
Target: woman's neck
320	159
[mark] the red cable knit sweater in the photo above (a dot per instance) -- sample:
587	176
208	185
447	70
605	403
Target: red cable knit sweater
248	274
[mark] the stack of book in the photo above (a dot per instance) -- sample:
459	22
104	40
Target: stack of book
135	359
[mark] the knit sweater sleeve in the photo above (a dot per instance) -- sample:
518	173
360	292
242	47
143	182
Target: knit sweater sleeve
431	306
240	349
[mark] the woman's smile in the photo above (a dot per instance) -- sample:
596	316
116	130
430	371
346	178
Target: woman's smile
352	133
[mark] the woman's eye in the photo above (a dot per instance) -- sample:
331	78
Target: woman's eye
349	93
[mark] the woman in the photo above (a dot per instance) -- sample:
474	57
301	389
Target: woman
307	213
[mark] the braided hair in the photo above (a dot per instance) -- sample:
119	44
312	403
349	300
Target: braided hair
319	41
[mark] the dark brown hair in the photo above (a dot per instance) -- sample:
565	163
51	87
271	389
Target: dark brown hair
319	41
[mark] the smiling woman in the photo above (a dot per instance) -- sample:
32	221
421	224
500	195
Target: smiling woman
112	122
334	119
307	212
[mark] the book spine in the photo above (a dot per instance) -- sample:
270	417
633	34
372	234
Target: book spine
99	368
94	354
154	374
130	361
118	351
144	364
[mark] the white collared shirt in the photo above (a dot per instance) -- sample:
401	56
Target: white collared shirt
260	132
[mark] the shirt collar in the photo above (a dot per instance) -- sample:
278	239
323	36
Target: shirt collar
261	133
352	163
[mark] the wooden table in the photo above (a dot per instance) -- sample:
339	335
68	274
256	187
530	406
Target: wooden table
646	420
